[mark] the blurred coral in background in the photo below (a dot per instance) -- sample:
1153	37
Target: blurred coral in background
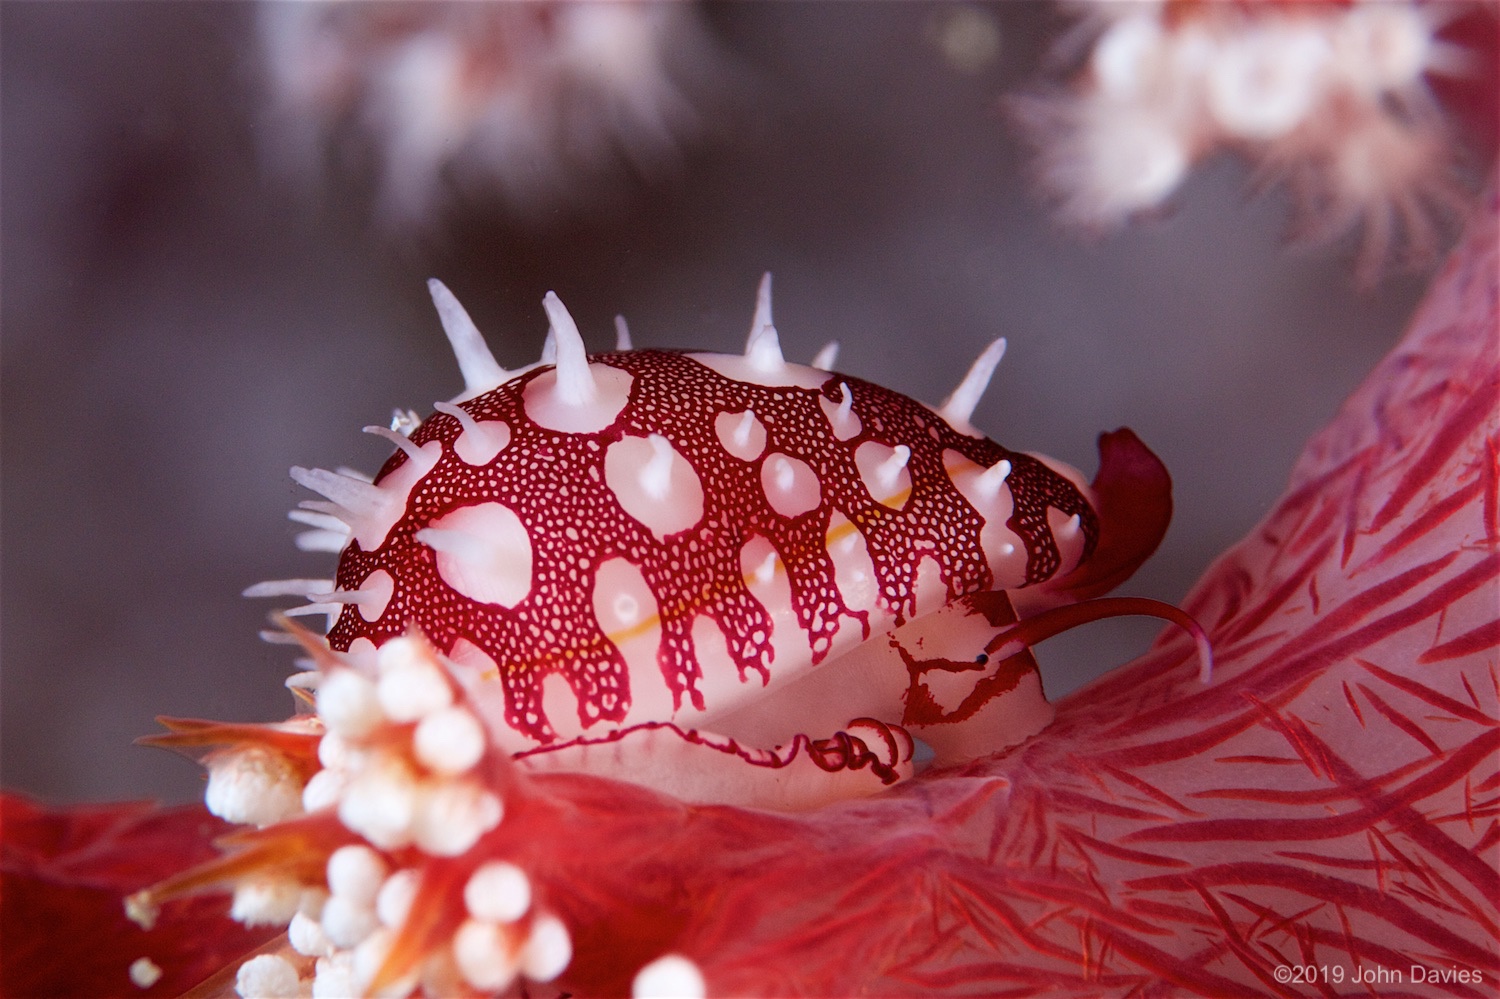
1337	100
530	102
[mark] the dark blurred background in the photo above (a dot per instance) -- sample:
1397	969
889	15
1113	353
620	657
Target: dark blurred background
179	328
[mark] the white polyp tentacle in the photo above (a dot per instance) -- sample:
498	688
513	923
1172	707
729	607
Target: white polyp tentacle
656	474
763	348
481	372
1267	79
547	950
346	922
549	348
380	802
669	977
622	335
267	975
452	815
991	479
826	358
288	588
255	785
307	938
394	900
144	972
890	470
485	955
356	872
411	685
498	892
449	741
575	382
959	407
348	705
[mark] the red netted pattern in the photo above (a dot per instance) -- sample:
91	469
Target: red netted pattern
557	486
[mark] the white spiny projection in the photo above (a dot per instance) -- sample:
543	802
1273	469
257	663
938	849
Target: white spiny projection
480	370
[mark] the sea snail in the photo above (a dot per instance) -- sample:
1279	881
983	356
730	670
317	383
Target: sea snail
729	577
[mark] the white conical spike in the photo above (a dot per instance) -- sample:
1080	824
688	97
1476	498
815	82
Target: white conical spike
349	495
331	611
575	382
321	521
479	442
469	424
622	335
846	402
399	439
333	510
766	571
763	348
656	474
480	370
549	347
490	563
288	588
990	480
742	429
826	358
890	469
959	406
344	597
330	542
762	315
469	547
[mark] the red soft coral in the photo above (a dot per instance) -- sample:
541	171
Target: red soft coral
1325	811
63	876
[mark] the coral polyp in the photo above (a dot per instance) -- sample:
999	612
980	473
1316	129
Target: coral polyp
1335	99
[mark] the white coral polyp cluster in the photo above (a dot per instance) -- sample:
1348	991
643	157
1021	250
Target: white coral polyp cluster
405	767
527	101
1330	97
